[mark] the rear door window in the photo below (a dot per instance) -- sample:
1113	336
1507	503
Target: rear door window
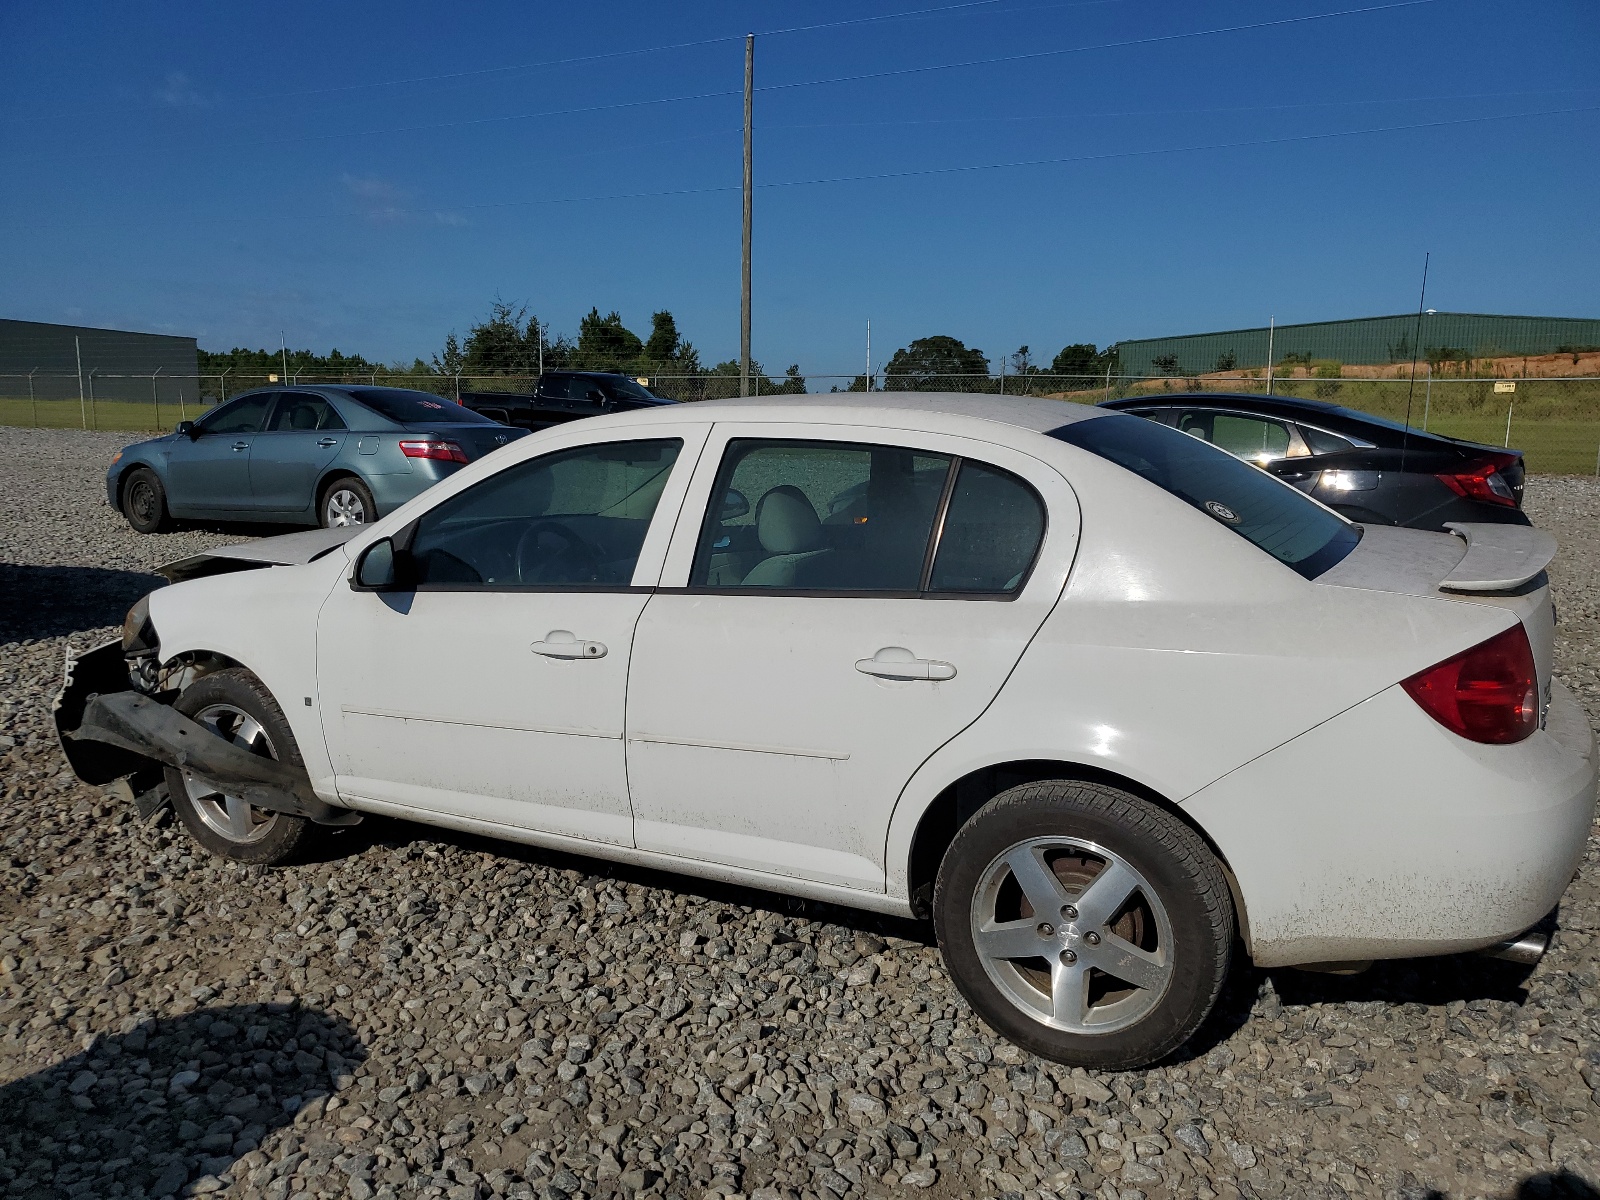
820	516
1297	531
301	412
1259	439
992	530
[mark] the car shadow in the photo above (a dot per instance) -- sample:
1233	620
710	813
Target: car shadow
1546	1185
172	1100
46	602
1253	992
398	834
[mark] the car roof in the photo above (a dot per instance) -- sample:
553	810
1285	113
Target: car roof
1024	412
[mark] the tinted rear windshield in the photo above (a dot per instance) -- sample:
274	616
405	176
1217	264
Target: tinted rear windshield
409	407
1294	529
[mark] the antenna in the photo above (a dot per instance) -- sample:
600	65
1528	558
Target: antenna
1416	348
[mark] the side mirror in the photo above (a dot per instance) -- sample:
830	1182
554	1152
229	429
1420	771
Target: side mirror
735	504
189	429
383	567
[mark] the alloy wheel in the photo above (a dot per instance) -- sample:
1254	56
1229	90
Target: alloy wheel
1072	935
231	816
344	507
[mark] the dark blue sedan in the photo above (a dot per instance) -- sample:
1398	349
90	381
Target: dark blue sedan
309	455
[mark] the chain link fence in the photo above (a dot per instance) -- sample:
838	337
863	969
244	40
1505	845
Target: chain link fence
1554	420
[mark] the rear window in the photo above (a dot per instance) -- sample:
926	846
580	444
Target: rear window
409	407
1291	527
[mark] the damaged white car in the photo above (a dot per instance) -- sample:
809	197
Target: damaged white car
1101	700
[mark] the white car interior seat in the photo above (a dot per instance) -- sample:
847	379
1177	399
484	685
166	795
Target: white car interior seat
789	531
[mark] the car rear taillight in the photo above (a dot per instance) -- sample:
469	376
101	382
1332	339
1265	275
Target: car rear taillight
432	448
1489	693
1482	482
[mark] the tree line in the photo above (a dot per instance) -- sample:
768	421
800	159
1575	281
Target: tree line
511	341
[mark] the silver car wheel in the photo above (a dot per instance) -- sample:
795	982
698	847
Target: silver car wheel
229	816
1072	935
344	507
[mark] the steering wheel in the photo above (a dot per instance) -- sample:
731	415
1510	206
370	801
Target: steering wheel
573	561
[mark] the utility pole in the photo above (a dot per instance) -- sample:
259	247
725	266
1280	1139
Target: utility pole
749	187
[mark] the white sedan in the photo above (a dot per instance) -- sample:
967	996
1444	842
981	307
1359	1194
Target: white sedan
1100	699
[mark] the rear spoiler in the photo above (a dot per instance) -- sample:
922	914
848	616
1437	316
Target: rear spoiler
1499	557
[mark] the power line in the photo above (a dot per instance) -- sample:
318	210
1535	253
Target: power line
606	56
554	112
1144	41
1185	111
1004	166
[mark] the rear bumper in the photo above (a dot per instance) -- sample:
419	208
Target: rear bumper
390	491
1381	835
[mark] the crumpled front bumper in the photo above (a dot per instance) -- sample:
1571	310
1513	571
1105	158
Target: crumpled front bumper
109	732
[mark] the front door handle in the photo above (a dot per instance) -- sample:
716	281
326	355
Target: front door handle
896	662
326	442
241	445
560	643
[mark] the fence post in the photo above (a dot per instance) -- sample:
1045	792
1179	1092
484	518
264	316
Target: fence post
33	404
1427	399
94	416
1511	404
222	387
183	414
83	415
155	400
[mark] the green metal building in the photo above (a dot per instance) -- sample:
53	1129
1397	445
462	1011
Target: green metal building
1366	341
115	363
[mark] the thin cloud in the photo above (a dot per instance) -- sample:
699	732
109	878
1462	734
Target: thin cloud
179	92
384	203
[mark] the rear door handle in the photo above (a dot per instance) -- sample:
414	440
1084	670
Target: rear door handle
896	662
326	442
241	445
560	643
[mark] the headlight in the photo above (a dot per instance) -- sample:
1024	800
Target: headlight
138	634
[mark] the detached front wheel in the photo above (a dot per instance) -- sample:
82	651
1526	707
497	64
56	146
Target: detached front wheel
236	706
1084	923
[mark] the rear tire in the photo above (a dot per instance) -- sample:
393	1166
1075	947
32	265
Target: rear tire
1121	984
346	501
144	501
234	704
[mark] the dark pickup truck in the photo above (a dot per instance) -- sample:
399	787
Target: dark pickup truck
561	396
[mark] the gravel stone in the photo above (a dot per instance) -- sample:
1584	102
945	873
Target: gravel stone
414	1013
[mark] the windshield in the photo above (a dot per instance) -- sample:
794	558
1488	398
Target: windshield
409	407
622	386
1291	527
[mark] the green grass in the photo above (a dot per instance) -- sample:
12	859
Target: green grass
106	414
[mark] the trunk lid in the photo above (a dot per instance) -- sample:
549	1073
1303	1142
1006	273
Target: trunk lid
1502	566
475	439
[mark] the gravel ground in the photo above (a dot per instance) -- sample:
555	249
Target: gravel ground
422	1014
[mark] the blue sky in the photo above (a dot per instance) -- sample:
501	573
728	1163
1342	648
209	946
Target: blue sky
370	176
